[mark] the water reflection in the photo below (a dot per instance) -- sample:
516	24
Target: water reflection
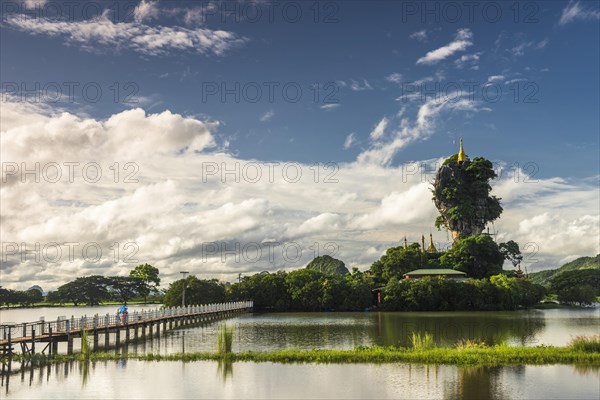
225	369
138	379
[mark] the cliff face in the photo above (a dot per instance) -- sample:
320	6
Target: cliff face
463	212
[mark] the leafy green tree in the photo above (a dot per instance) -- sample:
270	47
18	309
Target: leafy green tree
268	291
305	289
576	286
511	252
580	295
197	291
478	256
71	292
328	265
124	288
396	262
149	276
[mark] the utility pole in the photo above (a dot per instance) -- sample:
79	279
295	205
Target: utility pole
184	273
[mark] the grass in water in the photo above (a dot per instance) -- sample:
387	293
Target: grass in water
224	340
470	344
422	342
86	349
589	344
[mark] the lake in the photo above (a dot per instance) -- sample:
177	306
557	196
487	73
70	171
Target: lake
260	332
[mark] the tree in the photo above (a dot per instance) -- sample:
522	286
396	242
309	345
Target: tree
511	252
268	291
305	289
149	276
396	262
478	256
124	288
197	291
328	265
88	289
577	286
461	194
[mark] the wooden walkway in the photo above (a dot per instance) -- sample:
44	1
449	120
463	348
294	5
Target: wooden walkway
47	334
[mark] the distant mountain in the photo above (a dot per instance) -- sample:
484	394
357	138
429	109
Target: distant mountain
543	277
328	265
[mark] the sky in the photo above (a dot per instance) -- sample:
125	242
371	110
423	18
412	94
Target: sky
227	138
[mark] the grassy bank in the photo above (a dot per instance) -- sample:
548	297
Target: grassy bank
497	355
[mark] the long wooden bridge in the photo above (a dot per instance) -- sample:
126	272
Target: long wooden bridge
47	334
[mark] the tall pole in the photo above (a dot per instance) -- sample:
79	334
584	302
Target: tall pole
184	273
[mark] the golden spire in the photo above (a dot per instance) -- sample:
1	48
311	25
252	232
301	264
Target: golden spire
461	153
405	243
431	248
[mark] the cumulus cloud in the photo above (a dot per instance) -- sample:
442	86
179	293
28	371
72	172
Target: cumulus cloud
149	40
186	199
575	12
462	40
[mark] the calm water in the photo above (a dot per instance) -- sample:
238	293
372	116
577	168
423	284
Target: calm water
260	332
209	380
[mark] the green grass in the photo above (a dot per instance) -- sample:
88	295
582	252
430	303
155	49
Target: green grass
224	340
474	354
590	344
422	342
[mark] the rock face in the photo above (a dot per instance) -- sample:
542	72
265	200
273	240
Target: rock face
462	199
328	265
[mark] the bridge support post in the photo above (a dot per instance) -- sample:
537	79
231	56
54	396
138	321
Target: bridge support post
32	340
50	341
135	332
69	343
127	334
118	337
106	337
95	339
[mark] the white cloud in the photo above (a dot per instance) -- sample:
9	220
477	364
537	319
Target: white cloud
267	116
31	4
379	129
145	11
330	106
496	78
468	60
383	149
350	140
511	81
395	78
522	48
461	42
574	12
358	86
421	36
101	31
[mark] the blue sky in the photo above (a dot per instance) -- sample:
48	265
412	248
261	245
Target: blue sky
382	84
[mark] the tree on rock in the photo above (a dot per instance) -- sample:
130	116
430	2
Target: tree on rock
461	193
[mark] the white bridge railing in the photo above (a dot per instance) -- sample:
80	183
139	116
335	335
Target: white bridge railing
62	325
